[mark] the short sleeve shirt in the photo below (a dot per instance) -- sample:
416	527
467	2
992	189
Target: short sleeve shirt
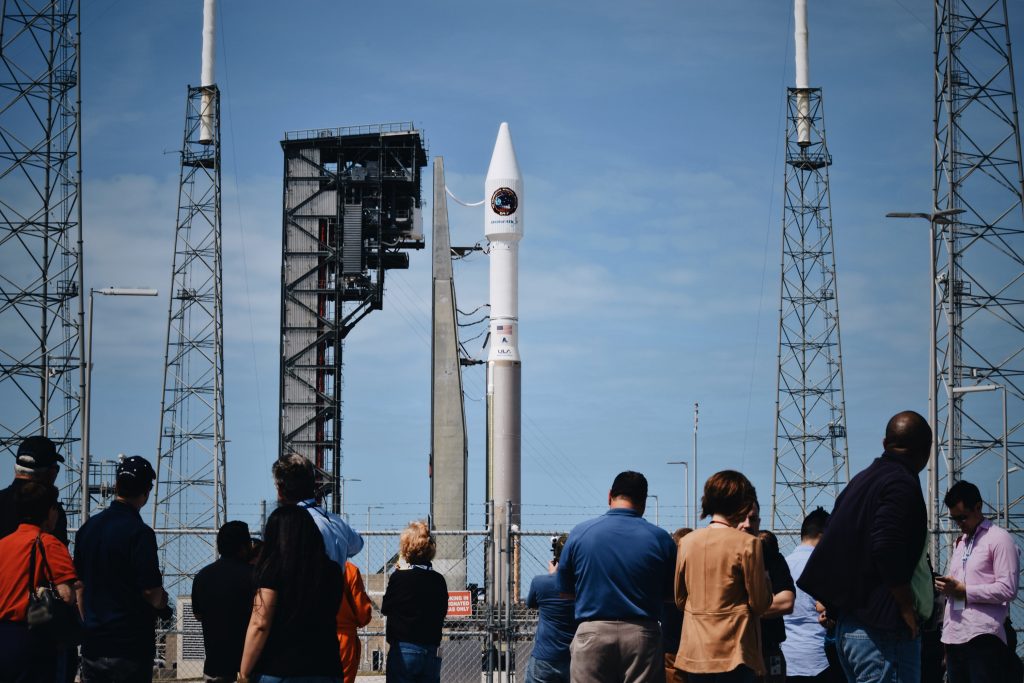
15	552
556	624
306	646
222	600
116	559
773	629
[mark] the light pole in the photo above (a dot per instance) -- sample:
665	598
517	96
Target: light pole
342	506
686	490
87	399
366	541
934	218
657	509
957	391
1006	503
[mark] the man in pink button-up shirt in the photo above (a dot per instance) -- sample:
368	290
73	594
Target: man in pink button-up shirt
981	583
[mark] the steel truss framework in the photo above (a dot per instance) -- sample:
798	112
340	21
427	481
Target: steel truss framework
351	208
190	493
41	303
810	454
979	287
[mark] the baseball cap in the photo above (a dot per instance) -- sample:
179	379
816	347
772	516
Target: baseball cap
38	453
136	467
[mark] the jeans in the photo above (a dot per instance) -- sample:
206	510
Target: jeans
412	663
543	671
117	670
980	660
871	655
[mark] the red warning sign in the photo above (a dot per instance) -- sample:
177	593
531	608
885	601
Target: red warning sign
460	604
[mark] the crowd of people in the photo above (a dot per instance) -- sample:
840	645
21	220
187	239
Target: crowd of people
622	601
285	611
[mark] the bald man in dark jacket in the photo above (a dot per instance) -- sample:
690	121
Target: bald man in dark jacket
861	568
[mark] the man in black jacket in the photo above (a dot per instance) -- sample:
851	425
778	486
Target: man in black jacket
861	568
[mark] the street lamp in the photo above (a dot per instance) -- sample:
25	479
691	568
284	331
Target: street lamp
366	541
934	218
657	509
956	391
342	506
1006	503
87	398
686	490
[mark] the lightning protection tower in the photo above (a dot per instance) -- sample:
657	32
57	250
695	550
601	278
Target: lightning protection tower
978	260
811	461
190	499
41	304
351	209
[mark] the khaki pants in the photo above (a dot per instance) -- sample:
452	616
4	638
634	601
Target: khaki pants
617	652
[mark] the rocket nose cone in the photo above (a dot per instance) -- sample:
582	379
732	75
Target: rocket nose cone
503	159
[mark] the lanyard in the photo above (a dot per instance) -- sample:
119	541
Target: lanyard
968	549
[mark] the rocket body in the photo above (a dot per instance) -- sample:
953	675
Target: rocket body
503	227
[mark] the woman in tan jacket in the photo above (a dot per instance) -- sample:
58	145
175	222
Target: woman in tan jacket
722	587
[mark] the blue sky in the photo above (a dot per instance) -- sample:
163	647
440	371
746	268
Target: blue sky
650	134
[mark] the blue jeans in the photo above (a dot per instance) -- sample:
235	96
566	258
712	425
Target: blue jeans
412	663
871	655
543	671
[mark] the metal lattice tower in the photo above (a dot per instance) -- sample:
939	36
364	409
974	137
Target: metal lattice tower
351	208
190	493
41	303
979	287
811	460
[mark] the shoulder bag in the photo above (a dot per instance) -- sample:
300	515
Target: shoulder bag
47	612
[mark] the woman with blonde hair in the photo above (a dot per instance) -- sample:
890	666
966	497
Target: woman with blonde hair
722	588
415	604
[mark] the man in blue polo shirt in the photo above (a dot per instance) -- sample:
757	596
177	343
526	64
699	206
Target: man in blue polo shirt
620	568
116	560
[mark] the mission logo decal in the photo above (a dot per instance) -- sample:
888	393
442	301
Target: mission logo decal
504	201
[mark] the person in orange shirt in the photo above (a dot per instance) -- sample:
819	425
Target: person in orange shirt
26	655
355	612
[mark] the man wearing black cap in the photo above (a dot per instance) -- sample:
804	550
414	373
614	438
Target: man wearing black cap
37	460
116	560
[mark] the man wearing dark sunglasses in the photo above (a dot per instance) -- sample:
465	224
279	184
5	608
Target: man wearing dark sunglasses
980	585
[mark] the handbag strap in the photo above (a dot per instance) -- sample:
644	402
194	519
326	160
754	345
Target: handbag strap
32	570
46	563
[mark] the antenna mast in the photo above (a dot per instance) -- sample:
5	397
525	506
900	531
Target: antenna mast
41	304
979	295
190	500
810	456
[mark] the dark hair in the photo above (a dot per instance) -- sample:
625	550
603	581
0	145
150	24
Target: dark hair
769	541
678	534
232	538
632	485
814	523
294	560
728	493
33	501
963	492
295	478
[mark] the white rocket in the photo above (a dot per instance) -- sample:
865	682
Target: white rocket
802	75
503	226
206	77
